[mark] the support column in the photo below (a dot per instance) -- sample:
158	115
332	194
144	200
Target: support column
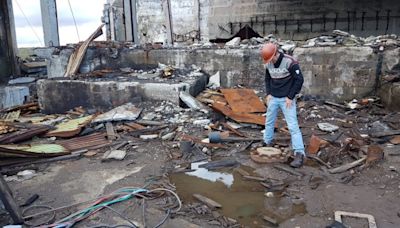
134	22
50	23
8	43
128	20
168	21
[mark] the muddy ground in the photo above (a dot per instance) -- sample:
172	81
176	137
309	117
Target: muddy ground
308	201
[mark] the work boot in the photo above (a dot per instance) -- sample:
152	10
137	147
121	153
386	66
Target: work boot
298	160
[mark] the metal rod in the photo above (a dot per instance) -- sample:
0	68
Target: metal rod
362	21
387	21
311	24
348	21
336	17
377	20
285	22
298	26
231	27
324	18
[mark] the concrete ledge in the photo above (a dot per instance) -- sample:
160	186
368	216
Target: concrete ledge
61	95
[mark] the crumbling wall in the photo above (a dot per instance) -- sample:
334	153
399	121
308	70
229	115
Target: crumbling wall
289	19
339	73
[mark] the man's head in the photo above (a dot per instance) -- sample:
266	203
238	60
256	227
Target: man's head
269	53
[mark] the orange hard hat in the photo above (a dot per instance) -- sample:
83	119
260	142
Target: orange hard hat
268	51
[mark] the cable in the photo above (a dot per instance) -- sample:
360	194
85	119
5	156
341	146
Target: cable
29	23
121	215
73	17
164	219
117	196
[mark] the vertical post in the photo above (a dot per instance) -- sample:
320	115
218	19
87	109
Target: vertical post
128	20
50	23
12	40
168	21
276	24
134	22
231	27
198	19
377	20
311	25
324	18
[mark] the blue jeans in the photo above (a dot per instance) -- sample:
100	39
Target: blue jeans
291	119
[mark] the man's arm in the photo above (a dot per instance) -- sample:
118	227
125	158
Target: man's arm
295	72
267	82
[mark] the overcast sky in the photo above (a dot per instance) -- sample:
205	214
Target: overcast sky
87	14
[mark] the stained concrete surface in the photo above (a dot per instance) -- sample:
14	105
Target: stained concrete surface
338	73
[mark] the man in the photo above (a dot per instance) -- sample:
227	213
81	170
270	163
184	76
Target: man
283	80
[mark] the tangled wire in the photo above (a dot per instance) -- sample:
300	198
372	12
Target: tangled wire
100	203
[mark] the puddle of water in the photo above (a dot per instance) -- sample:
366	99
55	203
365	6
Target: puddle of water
225	178
240	199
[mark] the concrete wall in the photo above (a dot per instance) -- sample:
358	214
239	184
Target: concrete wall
332	72
313	17
288	19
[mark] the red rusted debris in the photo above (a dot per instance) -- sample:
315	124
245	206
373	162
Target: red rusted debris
239	117
243	100
395	140
315	144
92	141
374	154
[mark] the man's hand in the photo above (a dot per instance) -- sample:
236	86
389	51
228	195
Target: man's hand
288	103
268	99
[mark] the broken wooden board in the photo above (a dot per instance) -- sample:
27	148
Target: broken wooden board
348	166
239	117
207	201
24	134
38	150
70	128
77	56
243	100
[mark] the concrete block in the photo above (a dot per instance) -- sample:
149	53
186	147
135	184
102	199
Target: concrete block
61	95
15	95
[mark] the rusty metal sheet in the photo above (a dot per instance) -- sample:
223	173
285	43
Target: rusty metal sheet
243	100
71	127
34	150
239	117
85	142
24	134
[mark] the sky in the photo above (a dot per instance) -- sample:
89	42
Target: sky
87	15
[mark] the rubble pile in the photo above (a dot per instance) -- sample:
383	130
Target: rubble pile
338	38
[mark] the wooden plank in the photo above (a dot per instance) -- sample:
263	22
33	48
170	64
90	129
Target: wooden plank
243	100
385	133
9	202
207	201
111	135
347	166
77	56
288	170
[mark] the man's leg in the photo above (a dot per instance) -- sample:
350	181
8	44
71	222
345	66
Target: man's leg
272	112
295	133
